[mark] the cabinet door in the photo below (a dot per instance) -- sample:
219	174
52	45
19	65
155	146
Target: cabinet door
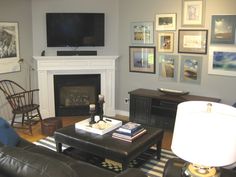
140	108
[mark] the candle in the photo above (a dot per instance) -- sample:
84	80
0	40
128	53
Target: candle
100	97
92	107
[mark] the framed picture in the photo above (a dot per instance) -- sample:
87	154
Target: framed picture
191	68
193	13
193	41
222	61
9	47
165	22
223	29
168	67
165	42
142	33
142	59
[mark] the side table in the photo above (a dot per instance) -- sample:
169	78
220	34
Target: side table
173	169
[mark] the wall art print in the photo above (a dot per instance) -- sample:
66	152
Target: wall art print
222	61
223	29
142	33
168	67
9	47
142	59
191	67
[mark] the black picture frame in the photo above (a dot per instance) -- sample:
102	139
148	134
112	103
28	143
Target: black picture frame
142	59
193	41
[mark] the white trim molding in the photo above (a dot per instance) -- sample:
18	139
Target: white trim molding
48	66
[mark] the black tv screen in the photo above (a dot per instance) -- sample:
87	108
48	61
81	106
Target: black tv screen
75	29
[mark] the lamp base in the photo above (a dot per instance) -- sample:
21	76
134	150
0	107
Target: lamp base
191	170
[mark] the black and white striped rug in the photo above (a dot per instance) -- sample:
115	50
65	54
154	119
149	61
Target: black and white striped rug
150	166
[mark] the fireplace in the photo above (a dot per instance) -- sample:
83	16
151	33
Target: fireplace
49	66
74	93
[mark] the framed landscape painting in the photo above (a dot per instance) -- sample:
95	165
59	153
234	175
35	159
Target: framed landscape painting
168	67
142	33
223	29
222	61
9	47
191	68
165	22
142	59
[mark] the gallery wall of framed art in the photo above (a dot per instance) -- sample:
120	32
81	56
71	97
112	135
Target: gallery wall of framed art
174	42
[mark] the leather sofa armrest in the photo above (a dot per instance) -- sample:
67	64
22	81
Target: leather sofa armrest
132	172
19	162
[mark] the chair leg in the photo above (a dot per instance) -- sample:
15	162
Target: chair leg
29	122
23	119
39	114
13	120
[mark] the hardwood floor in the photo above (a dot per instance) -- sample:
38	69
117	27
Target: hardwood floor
37	135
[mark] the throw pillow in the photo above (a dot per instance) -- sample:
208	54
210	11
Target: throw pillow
8	136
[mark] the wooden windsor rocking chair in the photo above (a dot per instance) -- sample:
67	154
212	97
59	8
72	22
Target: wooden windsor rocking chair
21	102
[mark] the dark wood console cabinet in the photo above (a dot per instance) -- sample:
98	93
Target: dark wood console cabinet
154	108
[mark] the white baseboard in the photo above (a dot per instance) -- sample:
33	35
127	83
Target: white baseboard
122	113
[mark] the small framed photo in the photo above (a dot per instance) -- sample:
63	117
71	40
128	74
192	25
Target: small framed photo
165	42
193	13
168	67
222	61
9	47
191	68
142	59
223	29
166	22
142	33
193	41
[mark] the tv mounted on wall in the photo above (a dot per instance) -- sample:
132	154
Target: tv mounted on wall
75	29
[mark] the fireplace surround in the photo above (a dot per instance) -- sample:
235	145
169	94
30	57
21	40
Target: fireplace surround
49	66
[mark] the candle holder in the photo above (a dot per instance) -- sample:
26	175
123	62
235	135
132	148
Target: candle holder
92	115
101	102
92	111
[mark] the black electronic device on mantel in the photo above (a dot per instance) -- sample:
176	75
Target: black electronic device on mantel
75	29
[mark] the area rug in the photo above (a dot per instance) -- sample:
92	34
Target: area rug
147	161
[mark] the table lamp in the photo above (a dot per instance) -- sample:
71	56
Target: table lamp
204	136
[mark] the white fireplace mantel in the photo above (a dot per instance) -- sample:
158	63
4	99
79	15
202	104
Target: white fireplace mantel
48	66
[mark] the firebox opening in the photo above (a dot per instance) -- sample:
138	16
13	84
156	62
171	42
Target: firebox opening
74	93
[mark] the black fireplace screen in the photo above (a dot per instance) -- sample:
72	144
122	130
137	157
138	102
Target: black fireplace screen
74	93
71	96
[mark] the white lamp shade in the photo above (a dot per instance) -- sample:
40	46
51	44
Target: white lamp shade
205	138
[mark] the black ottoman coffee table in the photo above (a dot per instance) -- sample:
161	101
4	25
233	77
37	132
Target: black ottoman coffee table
107	147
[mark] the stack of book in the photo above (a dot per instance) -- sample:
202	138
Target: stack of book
129	132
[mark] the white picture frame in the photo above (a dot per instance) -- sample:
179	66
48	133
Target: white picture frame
9	47
142	33
166	22
193	12
222	61
165	42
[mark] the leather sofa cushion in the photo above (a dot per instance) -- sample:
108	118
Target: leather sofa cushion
18	162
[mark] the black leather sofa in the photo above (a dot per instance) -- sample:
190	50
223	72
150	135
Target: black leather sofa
30	160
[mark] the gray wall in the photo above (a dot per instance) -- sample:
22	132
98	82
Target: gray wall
139	10
30	14
18	11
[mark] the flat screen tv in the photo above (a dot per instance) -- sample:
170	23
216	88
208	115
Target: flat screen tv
75	29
